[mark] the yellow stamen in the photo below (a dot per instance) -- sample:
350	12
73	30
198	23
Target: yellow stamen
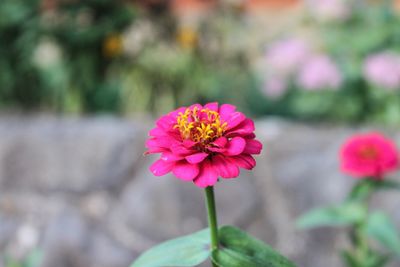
202	126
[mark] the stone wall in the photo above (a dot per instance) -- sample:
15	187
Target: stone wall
80	189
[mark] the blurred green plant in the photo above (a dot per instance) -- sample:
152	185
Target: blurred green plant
90	34
21	82
33	259
73	58
64	59
372	29
364	226
166	77
190	64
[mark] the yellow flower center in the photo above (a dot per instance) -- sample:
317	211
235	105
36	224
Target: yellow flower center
200	125
112	46
187	38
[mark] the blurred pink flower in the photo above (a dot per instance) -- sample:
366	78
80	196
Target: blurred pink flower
330	10
319	72
383	69
285	56
369	155
275	87
201	143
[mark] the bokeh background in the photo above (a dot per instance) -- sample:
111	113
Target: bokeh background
81	82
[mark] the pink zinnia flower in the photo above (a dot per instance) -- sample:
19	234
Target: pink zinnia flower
369	155
202	143
319	72
285	56
383	69
275	87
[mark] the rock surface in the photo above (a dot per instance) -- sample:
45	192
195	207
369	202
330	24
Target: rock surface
80	190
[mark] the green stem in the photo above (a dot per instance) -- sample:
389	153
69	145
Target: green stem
362	247
212	218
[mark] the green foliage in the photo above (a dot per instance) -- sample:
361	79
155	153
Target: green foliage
373	260
364	188
86	24
363	225
189	250
352	211
369	30
236	249
381	228
88	77
47	61
164	77
387	185
90	35
32	260
20	81
343	215
239	249
163	74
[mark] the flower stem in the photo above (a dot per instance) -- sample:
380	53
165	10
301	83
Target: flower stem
212	218
362	246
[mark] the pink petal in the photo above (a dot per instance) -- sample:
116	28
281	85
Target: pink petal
157	132
166	122
244	161
180	150
170	157
161	167
217	149
249	136
212	106
196	158
225	111
208	175
235	119
253	147
176	112
153	150
220	142
185	170
218	145
200	107
188	143
152	142
235	146
245	128
355	164
225	167
161	141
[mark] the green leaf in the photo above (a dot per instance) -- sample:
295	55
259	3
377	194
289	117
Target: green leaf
346	214
11	262
381	228
349	259
362	190
374	259
238	249
190	250
377	260
389	184
34	259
